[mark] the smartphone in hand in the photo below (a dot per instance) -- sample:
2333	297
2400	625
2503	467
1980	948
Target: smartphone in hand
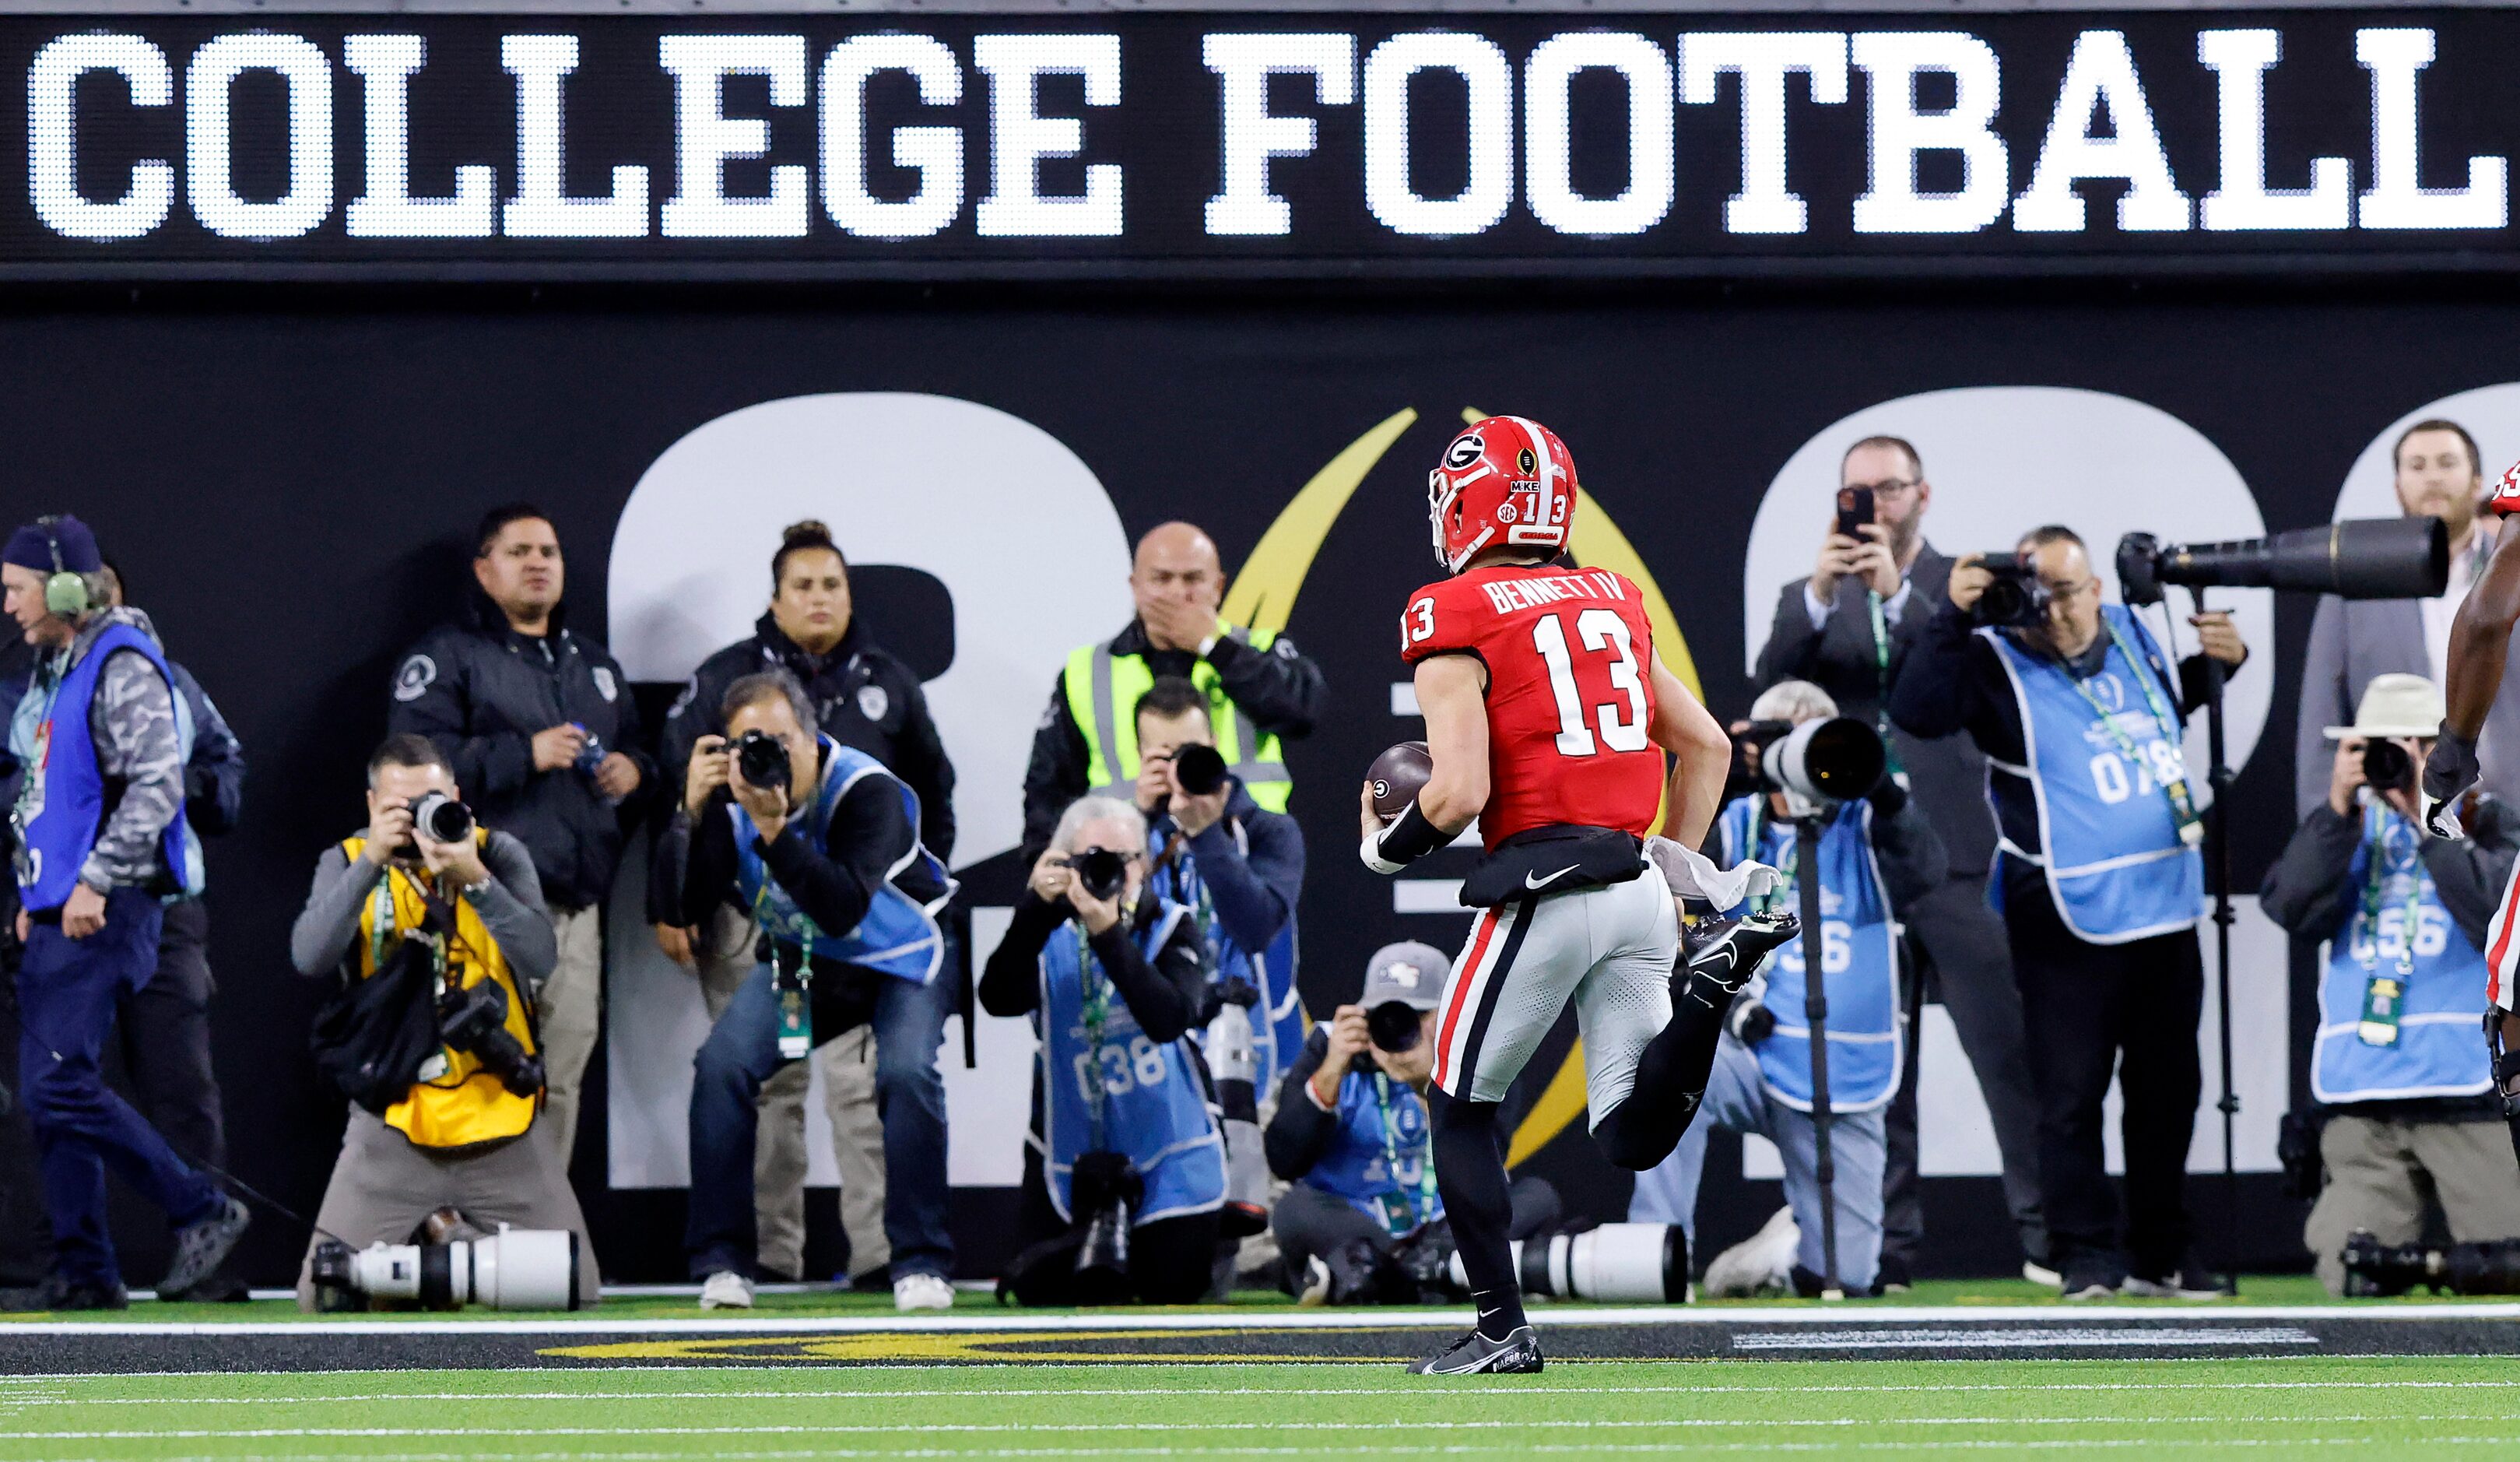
1854	510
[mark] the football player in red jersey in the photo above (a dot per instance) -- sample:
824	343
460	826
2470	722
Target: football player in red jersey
1548	717
2480	638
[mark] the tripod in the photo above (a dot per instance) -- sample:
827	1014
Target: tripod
2218	866
1807	831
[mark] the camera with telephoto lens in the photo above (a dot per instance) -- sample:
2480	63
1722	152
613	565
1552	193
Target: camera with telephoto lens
1198	769
440	819
1835	760
1100	872
2376	1269
761	760
452	1265
2359	558
475	1020
2387	767
2014	598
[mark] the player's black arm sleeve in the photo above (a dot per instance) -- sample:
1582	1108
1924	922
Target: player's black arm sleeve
1011	980
2470	873
2306	892
1054	776
1280	687
1300	1134
1165	994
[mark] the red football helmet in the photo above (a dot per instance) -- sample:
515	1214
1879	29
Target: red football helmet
1507	481
2506	493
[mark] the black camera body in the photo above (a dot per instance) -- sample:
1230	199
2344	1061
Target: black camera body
761	760
1100	872
1198	769
2016	599
475	1019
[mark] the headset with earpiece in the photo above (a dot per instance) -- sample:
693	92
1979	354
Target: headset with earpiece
64	592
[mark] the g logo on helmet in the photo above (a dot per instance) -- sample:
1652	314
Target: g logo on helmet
1464	450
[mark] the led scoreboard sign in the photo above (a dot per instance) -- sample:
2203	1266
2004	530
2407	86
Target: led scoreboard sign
1190	145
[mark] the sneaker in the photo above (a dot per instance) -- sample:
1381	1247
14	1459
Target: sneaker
1517	1354
1729	956
2038	1274
63	1293
726	1290
1316	1292
1893	1276
921	1292
2091	1283
1760	1265
203	1247
2190	1283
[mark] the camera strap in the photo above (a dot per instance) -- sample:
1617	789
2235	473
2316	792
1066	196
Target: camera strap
2383	995
1402	1212
2183	807
1881	670
1094	995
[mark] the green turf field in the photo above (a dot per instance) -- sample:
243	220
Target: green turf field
2374	1408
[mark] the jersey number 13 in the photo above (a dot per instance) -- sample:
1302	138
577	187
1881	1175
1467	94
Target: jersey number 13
1600	632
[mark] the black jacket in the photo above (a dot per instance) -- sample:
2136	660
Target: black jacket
1946	773
1280	687
1165	995
481	691
1301	1134
1952	681
870	835
867	701
1251	862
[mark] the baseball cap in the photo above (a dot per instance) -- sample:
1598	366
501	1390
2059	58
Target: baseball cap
2394	705
1407	972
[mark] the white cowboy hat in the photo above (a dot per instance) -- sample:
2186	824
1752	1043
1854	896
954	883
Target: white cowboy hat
2396	705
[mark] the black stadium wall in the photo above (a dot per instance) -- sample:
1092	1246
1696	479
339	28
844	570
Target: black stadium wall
283	434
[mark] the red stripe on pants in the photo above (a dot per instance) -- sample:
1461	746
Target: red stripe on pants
1460	993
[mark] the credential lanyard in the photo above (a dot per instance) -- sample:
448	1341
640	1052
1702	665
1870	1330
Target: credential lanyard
1881	670
1786	863
1402	1211
2183	807
794	987
1096	999
2383	995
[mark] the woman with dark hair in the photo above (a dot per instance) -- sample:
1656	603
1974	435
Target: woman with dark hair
867	700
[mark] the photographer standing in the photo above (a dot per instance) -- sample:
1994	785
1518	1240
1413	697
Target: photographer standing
1236	866
538	721
821	844
1847	628
1124	1144
455	924
1878	857
2099	878
867	700
2404	1083
101	841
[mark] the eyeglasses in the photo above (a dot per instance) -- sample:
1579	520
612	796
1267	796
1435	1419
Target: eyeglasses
1889	486
2067	593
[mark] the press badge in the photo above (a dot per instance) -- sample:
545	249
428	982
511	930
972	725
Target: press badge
796	1010
2380	1000
1399	1215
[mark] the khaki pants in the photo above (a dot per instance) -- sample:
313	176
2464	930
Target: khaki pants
847	1064
572	1011
383	1186
2380	1171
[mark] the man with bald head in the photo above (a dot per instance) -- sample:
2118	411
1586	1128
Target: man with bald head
1260	690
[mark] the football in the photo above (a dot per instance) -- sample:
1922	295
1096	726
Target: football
1396	775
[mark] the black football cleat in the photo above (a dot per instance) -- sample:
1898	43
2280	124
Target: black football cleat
1473	1354
1731	953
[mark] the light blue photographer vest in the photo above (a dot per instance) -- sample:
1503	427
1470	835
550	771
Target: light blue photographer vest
60	802
2114	861
1274	1047
898	937
1858	954
1382	1156
2438	1052
1154	1102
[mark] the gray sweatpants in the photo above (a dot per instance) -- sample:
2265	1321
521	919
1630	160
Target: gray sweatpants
2379	1172
383	1186
847	1065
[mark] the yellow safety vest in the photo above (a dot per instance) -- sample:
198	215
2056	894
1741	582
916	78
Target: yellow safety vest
456	1102
1102	691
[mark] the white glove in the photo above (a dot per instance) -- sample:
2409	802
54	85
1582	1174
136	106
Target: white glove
1689	874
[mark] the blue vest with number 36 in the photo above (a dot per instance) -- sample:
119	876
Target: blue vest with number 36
1859	957
2108	841
2437	1052
1153	1104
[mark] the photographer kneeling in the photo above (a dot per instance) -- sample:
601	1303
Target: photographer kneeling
821	844
1878	856
438	927
1125	1169
2397	1067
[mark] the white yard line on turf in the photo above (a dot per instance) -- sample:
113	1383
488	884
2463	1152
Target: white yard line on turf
750	1396
1318	1448
1272	1319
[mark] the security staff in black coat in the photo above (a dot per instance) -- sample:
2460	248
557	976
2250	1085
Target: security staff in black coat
868	701
539	727
1847	628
